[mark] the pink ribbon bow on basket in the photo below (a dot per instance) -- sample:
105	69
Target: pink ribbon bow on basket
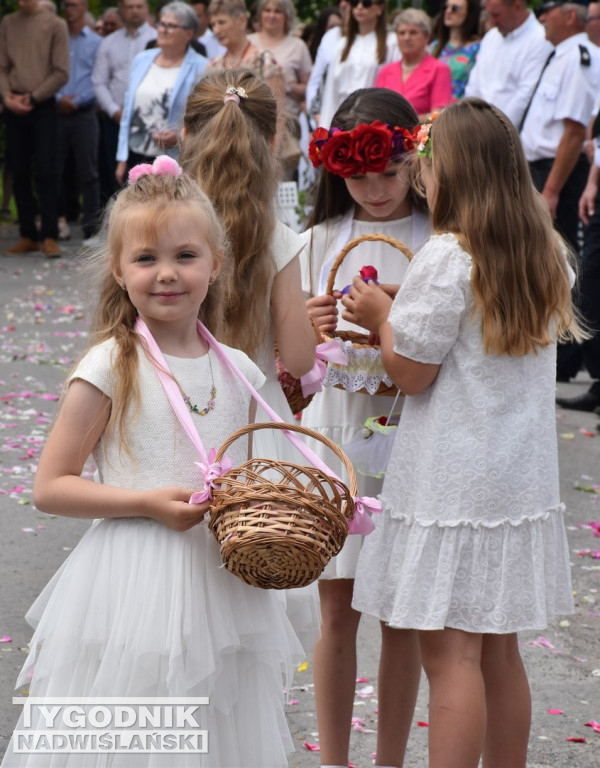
327	352
361	524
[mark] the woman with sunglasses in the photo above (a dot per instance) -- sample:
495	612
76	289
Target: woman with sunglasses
366	46
159	83
457	40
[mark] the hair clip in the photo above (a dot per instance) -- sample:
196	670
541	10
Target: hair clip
162	166
234	93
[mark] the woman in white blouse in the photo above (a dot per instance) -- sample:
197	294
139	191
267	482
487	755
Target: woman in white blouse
359	55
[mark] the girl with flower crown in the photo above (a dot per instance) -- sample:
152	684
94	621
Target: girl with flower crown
142	608
364	188
471	546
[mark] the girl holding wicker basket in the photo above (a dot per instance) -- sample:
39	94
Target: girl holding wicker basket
364	188
471	546
142	606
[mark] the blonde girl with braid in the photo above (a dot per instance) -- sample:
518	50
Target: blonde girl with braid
471	546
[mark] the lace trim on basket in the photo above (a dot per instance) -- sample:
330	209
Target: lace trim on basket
363	371
410	520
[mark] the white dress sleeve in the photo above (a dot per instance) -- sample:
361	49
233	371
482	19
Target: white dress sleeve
432	302
95	367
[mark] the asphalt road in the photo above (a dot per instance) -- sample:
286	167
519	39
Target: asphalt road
43	319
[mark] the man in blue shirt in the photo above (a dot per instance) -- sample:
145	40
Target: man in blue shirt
78	128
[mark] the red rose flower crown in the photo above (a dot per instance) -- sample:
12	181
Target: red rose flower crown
367	148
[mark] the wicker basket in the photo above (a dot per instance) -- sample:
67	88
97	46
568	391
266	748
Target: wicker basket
355	339
292	388
278	524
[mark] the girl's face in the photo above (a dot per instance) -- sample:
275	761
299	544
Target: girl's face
455	13
167	276
381	196
428	182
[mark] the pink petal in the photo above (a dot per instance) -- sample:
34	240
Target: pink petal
5	639
312	747
556	712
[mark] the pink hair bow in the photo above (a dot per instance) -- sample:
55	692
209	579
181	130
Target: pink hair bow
162	166
365	506
328	351
211	471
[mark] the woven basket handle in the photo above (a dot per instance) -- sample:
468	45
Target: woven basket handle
301	430
356	241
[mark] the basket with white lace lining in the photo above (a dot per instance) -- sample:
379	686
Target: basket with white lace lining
364	371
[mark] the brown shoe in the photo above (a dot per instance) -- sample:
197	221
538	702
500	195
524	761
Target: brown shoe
25	245
50	249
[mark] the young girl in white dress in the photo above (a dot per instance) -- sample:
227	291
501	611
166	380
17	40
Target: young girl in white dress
350	202
471	546
143	607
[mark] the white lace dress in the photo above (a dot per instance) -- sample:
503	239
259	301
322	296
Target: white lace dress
472	534
335	413
138	609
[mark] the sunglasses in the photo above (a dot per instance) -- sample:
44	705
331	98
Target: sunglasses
453	8
364	3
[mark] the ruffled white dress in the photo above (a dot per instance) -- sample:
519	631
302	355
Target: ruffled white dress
335	413
138	609
472	533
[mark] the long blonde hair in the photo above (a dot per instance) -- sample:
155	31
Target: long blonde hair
144	207
228	149
484	195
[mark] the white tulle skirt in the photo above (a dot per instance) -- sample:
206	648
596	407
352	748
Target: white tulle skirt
140	610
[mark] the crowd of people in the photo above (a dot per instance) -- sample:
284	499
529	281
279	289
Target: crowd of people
472	136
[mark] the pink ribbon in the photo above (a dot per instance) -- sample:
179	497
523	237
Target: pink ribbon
327	352
211	471
362	523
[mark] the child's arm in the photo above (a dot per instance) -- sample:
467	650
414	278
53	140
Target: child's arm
368	305
58	488
293	329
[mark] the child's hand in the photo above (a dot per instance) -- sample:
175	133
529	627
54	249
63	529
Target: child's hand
323	310
367	305
169	506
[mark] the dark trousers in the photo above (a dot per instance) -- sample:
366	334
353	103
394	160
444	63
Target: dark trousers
588	299
80	133
107	156
567	217
569	355
31	147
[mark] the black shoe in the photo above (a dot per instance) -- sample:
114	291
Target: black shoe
597	411
587	402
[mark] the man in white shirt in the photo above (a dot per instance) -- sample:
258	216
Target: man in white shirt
111	74
554	129
510	58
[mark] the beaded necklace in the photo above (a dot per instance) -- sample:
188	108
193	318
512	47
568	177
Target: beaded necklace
213	394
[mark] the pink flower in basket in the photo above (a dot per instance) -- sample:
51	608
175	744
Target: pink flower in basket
367	273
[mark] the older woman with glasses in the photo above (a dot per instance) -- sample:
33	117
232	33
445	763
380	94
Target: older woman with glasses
456	40
159	83
358	56
423	80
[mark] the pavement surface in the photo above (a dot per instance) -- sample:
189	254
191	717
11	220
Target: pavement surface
43	321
